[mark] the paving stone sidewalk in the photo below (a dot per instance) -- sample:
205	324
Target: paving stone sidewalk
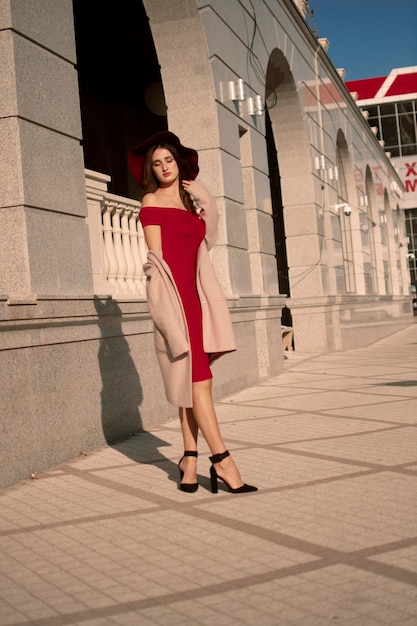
329	538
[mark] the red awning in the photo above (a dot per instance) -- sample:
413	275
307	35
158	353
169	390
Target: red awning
366	88
397	83
403	84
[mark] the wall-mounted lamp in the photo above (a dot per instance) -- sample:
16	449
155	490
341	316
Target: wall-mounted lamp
374	129
320	162
411	256
236	90
333	173
373	224
346	208
255	106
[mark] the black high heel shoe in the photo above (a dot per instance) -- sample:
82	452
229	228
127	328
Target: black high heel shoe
187	487
216	458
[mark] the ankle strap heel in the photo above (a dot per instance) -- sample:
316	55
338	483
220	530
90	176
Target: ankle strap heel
217	458
187	487
214	477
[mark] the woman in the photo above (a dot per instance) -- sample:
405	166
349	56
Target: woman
191	319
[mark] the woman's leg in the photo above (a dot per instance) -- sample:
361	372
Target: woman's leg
205	417
189	430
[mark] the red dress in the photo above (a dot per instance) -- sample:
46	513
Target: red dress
182	233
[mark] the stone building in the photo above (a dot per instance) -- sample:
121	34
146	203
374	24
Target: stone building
390	106
283	147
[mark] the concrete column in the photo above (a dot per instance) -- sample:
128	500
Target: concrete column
258	209
392	252
357	251
192	89
44	246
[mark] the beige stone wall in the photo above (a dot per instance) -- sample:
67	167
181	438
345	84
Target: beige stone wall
44	246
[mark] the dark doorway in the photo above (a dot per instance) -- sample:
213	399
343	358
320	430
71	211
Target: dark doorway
277	209
121	93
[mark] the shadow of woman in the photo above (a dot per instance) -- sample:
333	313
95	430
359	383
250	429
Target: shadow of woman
121	393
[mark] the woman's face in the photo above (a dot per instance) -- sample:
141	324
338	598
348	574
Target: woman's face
164	167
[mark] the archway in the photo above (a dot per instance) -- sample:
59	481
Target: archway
345	192
292	189
121	92
370	219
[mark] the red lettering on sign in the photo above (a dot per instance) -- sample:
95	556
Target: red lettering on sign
411	185
411	169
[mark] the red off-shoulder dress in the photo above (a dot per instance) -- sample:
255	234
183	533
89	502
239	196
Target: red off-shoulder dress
182	233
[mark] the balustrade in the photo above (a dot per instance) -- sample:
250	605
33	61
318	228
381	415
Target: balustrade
118	247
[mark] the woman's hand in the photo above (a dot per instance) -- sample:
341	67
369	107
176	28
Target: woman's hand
187	184
194	188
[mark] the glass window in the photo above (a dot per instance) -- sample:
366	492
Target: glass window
395	150
407	128
407	150
405	107
389	130
373	111
387	109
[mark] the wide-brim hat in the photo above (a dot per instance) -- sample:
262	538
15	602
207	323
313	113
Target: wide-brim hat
136	155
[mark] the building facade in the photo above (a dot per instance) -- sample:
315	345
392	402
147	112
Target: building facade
390	104
311	208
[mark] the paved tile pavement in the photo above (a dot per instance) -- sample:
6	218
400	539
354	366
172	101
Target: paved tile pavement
329	538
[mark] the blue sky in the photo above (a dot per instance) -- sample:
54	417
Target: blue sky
368	37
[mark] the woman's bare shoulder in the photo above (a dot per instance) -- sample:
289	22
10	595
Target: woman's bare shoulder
150	199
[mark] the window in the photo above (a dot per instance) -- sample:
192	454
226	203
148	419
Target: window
387	109
405	107
373	111
397	126
411	229
407	128
389	130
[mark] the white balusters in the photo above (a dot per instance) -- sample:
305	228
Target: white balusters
118	248
139	276
113	264
127	249
118	266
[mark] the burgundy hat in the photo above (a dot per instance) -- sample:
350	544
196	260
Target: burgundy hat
136	155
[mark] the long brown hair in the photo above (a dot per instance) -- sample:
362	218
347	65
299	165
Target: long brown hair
150	183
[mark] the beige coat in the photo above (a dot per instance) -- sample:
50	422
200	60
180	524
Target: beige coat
170	328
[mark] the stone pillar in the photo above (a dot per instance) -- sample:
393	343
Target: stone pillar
44	245
258	205
357	250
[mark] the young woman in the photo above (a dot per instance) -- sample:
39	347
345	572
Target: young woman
191	320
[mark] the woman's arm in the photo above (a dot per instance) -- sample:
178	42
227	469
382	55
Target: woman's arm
153	237
153	231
